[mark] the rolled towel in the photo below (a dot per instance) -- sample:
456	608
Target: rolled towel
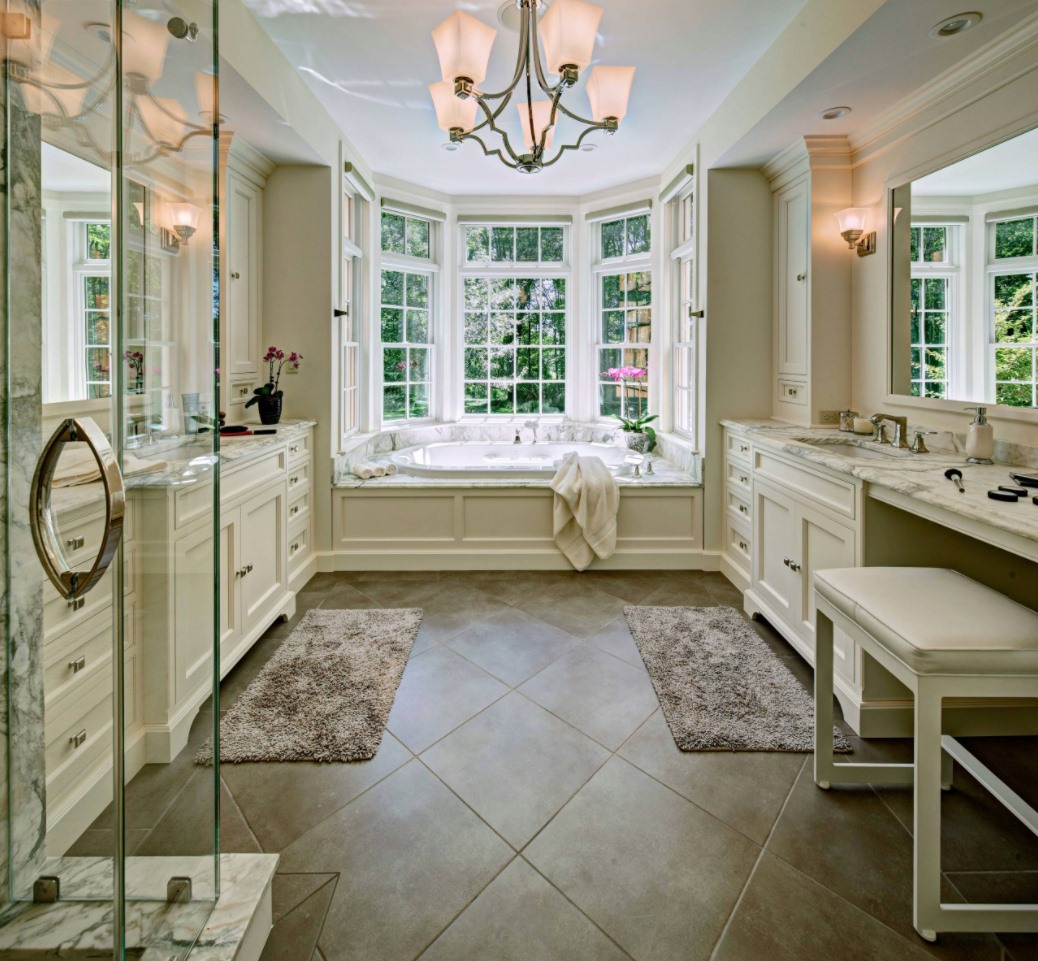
377	469
363	471
390	470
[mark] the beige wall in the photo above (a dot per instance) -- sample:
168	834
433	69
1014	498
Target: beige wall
299	239
1003	102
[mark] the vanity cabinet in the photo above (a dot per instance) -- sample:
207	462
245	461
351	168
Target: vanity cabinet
793	315
243	176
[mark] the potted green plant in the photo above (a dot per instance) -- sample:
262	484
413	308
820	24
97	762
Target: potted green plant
269	396
638	436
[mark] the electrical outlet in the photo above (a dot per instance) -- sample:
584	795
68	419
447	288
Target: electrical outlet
828	417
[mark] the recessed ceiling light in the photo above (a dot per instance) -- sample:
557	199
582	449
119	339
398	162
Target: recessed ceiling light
589	147
510	17
955	25
834	113
450	145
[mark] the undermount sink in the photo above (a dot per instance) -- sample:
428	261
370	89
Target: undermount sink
854	450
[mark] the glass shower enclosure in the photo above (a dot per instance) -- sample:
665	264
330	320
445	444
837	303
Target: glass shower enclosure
110	490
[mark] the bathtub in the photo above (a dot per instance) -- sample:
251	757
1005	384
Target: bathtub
504	459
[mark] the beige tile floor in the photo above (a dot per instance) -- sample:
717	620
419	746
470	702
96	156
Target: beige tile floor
528	804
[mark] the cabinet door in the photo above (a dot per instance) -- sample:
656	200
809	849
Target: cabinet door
230	564
793	301
824	543
774	542
193	578
262	538
242	277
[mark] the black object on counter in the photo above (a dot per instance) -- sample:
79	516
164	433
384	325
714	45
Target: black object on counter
1003	496
1025	480
954	474
1018	491
234	429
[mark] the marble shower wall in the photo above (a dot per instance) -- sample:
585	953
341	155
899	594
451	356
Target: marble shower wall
22	610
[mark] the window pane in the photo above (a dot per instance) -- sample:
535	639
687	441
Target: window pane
1014	238
392	325
393	288
502	363
1013	363
417	237
1014	290
418	326
503	294
553	328
612	294
613	326
97	328
916	235
394	364
936	327
417	290
477	295
502	329
527	398
394	403
502	398
551	244
934	244
553	398
527	364
475	398
935	294
639	288
551	293
392	233
613	239
609	400
527	329
418	394
99	241
638	240
476	363
477	245
502	244
1014	395
1013	326
553	364
526	245
476	328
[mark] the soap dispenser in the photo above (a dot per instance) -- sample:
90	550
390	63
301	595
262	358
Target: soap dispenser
980	439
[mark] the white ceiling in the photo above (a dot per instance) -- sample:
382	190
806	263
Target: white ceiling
370	62
1006	166
61	172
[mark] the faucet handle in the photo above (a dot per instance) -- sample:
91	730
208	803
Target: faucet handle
918	444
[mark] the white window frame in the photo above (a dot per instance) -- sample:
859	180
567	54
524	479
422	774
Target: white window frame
81	268
686	329
628	264
1009	266
514	269
956	373
408	264
349	333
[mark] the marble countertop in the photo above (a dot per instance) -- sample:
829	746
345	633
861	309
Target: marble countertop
919	476
185	464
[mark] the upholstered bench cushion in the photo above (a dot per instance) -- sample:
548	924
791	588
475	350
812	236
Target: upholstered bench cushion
936	621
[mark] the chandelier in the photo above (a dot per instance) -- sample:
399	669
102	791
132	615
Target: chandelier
567	31
56	91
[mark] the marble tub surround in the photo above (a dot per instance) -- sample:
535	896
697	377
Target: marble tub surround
83	928
374	447
918	476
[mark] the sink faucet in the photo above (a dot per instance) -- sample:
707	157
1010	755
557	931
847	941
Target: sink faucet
532	426
900	429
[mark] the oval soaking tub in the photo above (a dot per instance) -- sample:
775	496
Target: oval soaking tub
504	459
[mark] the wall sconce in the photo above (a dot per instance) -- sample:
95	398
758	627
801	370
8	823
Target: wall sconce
852	222
183	221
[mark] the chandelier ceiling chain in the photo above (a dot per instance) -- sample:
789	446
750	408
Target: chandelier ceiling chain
568	35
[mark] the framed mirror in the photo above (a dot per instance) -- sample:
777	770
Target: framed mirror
964	280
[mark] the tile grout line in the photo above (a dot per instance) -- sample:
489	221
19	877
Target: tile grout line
756	864
241	813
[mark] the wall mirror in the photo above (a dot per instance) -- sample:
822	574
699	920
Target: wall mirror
964	266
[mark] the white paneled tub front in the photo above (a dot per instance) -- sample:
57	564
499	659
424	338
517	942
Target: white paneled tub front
475	460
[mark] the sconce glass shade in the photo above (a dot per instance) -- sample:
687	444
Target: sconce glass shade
852	222
159	126
568	32
541	119
463	45
205	90
144	47
452	111
182	215
609	90
61	87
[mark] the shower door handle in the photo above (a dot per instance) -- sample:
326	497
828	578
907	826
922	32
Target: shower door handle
69	582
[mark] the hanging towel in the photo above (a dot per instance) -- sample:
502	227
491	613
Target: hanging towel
587	498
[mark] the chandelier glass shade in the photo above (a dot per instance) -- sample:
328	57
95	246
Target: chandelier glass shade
567	32
53	86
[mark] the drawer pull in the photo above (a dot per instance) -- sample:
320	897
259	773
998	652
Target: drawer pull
243	391
77	665
240	572
77	739
294	480
247	570
743	449
295	510
801	277
743	509
75	603
295	547
794	567
743	479
742	545
235	276
75	543
293	449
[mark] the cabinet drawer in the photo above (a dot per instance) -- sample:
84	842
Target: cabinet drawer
793	392
299	548
299	506
739	543
738	447
89	711
299	478
239	392
738	506
739	476
71	663
251	475
191	503
832	492
300	448
81	539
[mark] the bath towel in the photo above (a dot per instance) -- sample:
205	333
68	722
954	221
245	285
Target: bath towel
587	498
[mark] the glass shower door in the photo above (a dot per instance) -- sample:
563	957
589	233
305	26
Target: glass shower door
110	495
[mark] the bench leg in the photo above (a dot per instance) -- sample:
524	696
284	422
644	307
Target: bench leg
927	810
824	762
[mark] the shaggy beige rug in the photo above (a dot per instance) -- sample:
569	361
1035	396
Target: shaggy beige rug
327	692
721	687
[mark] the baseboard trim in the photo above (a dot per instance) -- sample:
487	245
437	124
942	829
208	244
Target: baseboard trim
455	560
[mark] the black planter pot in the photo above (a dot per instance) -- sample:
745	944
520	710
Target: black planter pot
270	409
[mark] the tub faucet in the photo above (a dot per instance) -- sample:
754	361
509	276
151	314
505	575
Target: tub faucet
900	429
532	426
518	439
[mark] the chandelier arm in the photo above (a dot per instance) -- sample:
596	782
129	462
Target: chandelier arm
490	123
522	59
198	127
536	55
572	146
587	121
487	152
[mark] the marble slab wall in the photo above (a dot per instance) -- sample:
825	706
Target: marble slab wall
24	796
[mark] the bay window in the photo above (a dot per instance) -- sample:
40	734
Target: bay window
1013	296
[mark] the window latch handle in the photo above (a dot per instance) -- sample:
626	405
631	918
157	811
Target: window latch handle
697	313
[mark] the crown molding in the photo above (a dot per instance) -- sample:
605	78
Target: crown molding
813	152
906	117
